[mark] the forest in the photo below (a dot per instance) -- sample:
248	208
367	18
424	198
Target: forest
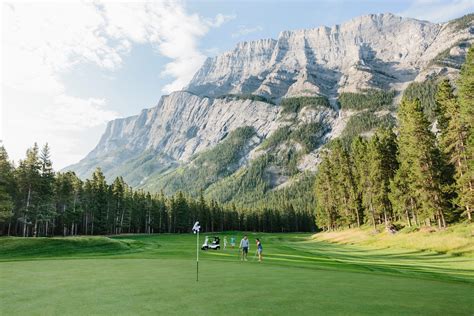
420	175
37	201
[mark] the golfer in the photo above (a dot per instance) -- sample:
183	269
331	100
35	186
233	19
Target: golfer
225	242
244	246
259	250
232	242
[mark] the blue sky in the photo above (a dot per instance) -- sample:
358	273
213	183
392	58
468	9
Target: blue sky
139	80
68	68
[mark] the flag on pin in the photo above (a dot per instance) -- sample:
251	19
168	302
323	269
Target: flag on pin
196	227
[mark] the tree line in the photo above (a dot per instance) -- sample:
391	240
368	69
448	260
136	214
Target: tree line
422	175
37	201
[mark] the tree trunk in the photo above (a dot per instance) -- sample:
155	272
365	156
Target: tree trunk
408	218
26	211
121	221
443	220
86	223
149	222
373	216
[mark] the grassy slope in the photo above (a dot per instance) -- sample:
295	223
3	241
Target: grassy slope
456	240
155	275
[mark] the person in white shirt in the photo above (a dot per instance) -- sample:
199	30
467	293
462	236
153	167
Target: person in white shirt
244	246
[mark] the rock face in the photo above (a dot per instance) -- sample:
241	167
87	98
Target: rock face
381	51
183	124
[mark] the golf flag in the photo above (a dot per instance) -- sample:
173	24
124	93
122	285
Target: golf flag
196	227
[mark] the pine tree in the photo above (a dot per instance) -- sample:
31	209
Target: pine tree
326	211
45	209
118	203
419	158
359	170
387	150
7	187
344	187
28	177
465	173
372	182
403	203
451	139
99	202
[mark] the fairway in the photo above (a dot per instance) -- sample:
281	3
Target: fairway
156	275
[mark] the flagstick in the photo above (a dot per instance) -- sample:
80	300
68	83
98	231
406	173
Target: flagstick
197	257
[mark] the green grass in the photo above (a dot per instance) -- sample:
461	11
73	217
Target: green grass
456	240
156	275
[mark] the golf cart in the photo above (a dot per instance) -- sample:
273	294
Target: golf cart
214	245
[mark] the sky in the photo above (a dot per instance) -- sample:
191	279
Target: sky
67	68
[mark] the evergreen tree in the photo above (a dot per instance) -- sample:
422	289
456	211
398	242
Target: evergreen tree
7	187
45	209
372	182
344	187
99	203
326	211
359	170
403	203
452	138
28	177
118	204
465	171
418	156
387	151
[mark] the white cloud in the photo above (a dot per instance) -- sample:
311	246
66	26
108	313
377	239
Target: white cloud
70	113
245	30
166	25
41	42
438	10
221	19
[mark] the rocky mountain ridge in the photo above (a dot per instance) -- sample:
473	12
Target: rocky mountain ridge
251	85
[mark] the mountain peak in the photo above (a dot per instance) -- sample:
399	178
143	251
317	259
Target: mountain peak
371	51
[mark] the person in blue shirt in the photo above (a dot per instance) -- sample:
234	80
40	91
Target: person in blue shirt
259	250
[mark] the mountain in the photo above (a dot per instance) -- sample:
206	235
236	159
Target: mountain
252	120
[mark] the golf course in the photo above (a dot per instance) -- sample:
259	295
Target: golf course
156	275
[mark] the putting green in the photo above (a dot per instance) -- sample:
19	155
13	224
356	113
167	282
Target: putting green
156	275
